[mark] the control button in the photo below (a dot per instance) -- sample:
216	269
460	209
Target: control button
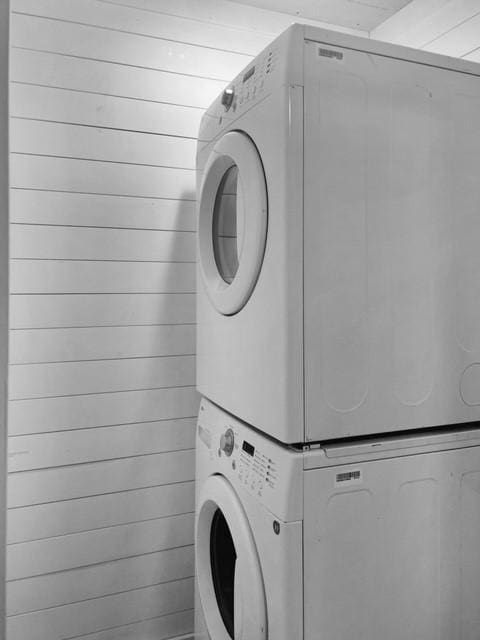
227	98
227	441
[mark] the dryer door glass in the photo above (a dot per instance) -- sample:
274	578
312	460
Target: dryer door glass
225	226
222	559
232	222
230	581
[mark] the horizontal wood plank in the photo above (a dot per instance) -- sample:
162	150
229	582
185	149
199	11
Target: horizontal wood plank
44	34
51	590
235	14
459	40
106	112
88	176
175	625
39	477
100	143
99	376
83	514
95	410
81	243
156	25
57	276
44	311
98	343
29	559
82	209
101	613
112	79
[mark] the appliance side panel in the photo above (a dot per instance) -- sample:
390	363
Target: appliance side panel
390	551
392	267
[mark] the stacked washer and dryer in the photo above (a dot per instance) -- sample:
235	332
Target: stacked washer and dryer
338	453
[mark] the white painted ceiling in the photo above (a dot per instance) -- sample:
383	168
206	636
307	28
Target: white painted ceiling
356	14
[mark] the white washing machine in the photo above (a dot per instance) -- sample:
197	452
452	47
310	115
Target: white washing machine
339	261
376	539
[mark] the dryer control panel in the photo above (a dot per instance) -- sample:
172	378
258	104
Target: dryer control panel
252	462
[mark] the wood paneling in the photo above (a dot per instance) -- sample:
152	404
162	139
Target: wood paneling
4	219
87	176
102	376
100	343
129	464
83	514
81	243
44	34
106	101
97	410
109	310
61	105
66	552
80	209
112	79
89	143
101	613
442	26
51	590
57	276
156	628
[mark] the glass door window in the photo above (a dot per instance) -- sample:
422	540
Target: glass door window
229	575
232	222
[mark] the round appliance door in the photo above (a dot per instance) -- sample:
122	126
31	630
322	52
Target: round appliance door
229	577
232	221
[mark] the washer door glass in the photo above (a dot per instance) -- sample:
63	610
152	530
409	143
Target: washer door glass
232	222
228	570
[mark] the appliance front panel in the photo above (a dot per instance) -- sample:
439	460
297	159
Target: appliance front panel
250	362
391	549
391	244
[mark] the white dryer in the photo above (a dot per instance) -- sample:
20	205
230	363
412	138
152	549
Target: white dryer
339	235
373	540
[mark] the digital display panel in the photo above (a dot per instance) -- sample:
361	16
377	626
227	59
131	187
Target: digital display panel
248	448
248	74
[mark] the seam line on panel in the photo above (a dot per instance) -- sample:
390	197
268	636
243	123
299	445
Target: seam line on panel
187	18
107	595
155	357
110	526
92	226
121	64
92	462
132	33
95	193
79	159
102	393
100	596
187	636
98	495
103	426
102	326
107	95
72	123
102	562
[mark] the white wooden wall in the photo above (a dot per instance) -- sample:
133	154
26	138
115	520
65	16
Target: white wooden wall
449	27
4	24
106	99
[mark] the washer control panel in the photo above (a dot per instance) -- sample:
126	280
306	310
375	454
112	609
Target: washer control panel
270	472
256	470
251	84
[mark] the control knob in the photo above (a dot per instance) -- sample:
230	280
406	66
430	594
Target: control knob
227	98
226	442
